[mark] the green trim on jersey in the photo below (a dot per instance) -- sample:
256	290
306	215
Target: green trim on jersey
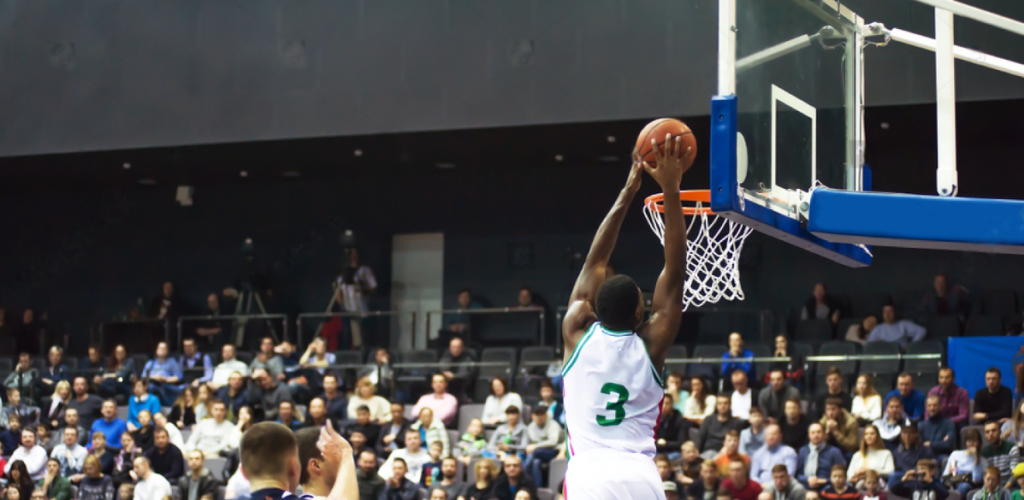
660	379
579	347
615	333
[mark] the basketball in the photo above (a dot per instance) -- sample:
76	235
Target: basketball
657	130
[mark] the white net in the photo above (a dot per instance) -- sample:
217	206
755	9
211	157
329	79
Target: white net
712	254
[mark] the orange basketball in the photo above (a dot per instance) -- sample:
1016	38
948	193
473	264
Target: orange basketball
657	130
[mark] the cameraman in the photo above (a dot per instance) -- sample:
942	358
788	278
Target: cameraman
355	284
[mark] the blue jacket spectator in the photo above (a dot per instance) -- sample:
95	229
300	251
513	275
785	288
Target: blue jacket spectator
909	451
111	426
820	467
736	350
913	399
138	403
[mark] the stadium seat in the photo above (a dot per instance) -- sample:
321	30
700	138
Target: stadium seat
534	360
923	367
996	303
140	362
467	413
348	357
557	471
814	331
714	328
418	374
844	326
760	351
122	412
884	384
706	370
6	365
984	326
545	494
869	304
804	350
837	349
71	362
245	356
216	466
498	354
676	352
942	327
881	367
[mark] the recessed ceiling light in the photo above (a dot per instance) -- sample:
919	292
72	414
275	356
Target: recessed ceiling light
358	152
559	158
885	125
610	138
243	174
608	158
146	182
291	173
444	165
126	166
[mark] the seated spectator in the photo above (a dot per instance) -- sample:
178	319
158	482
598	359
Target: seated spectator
445	406
954	403
543	436
815	462
689	465
11	438
412	458
873	487
901	332
288	416
910	451
674	386
834	388
116	378
456	368
150	484
665	472
921	483
525	299
245	421
54	485
95	485
55	371
730	451
141	400
183	412
838	488
210	435
498	401
459	323
792	370
1013	429
892	423
1001	454
782	486
215	332
268	392
432	430
712	431
486	472
126	492
737	350
380	409
392	433
93	364
316	415
102	451
911	398
452	485
992	488
794	426
334	398
371	486
234	395
513	480
228	365
19	483
27	415
164	374
556	410
772	399
773	452
867	403
267	359
700	404
196	367
873	455
937	432
708	486
821	306
945	300
204	399
432	469
752	438
55	409
111	426
160	423
70	455
671	431
965	468
167	305
473	443
198	484
24	377
70	422
742	396
43	437
32	455
509	438
164	457
316	356
125	460
738	486
379	372
994	402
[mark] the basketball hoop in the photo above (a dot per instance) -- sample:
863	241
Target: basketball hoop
713	252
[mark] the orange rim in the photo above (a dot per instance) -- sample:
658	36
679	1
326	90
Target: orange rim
702	196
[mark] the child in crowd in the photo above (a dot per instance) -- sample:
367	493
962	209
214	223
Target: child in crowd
473	441
688	467
708	485
921	483
665	471
838	489
432	469
992	489
872	486
11	438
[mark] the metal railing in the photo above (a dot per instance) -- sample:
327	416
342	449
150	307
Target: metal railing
147	322
367	314
234	318
495	310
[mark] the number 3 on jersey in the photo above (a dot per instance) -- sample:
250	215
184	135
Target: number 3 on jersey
616	406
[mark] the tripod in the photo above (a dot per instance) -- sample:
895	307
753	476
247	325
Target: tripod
247	295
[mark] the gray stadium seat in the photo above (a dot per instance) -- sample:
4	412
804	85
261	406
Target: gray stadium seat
942	327
557	471
922	367
417	374
760	351
6	365
348	357
122	412
245	356
837	349
537	355
545	494
709	371
996	303
813	330
467	413
881	367
216	466
676	352
984	326
869	304
500	354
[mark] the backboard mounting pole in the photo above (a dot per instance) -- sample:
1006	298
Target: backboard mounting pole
945	103
980	15
726	47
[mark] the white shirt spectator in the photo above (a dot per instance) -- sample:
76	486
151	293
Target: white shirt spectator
224	370
380	408
34	458
869	408
210	437
902	332
690	409
155	487
878	460
238	486
494	407
414	461
741	404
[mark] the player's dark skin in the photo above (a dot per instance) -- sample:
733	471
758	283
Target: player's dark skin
659	331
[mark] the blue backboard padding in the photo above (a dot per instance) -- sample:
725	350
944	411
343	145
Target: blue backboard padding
915	221
725	198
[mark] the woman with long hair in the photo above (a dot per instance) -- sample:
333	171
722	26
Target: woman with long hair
867	403
1013	429
95	485
58	404
204	398
498	401
873	455
183	412
483	487
117	378
244	423
125	460
380	408
233	395
18	477
966	468
701	402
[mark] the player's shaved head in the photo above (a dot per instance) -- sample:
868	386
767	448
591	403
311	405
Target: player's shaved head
619	303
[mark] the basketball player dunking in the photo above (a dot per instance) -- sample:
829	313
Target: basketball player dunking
613	359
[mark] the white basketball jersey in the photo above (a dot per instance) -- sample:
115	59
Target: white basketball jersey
612	394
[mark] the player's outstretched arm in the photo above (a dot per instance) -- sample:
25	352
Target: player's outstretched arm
593	273
660	330
338	452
